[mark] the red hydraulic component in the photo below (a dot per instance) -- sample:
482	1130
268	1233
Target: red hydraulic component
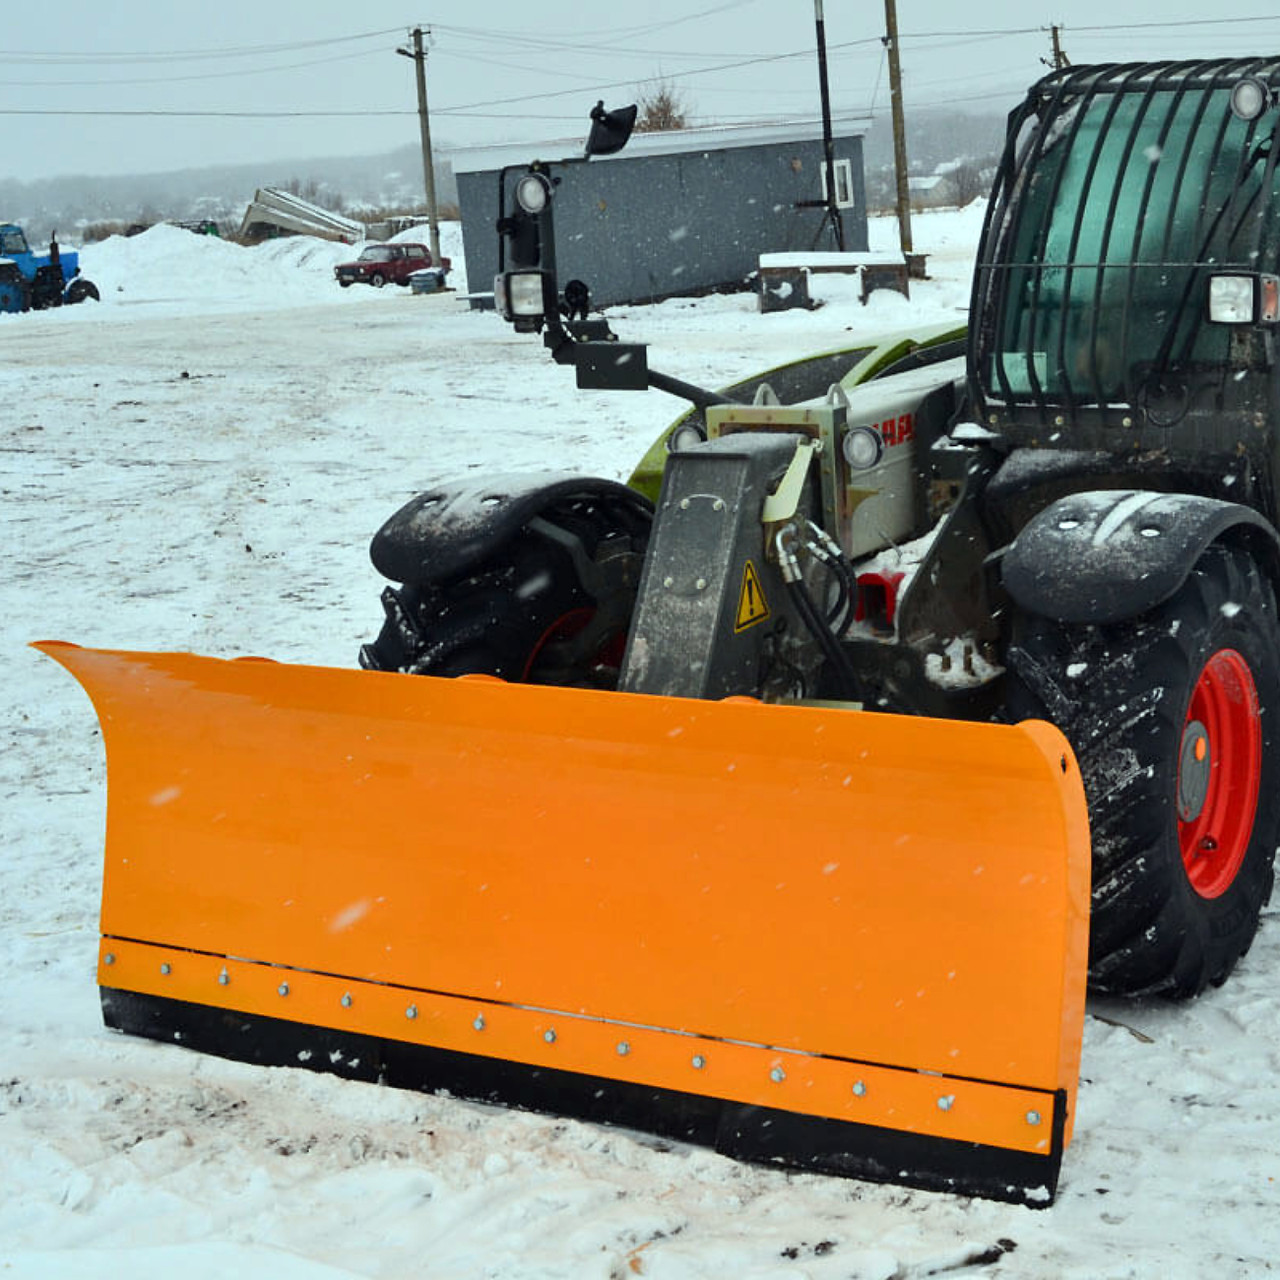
878	597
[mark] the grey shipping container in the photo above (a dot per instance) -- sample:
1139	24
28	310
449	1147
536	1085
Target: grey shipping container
675	213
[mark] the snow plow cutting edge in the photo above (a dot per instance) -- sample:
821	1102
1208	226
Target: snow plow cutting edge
843	941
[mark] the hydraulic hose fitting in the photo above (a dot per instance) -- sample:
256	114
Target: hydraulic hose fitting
784	551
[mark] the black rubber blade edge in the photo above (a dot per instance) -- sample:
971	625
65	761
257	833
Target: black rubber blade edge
759	1134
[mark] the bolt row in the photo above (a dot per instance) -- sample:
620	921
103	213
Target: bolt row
698	1062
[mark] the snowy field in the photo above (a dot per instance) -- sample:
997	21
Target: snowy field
198	463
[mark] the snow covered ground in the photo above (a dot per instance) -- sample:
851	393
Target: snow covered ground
198	463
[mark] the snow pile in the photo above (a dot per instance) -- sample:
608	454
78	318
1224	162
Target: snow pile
199	464
936	232
167	267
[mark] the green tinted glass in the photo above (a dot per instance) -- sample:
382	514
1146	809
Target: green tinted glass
1129	204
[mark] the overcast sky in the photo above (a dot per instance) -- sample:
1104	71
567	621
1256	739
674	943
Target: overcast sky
102	86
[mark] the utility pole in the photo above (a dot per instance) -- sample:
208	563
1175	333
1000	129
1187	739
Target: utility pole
1060	59
899	125
828	145
419	55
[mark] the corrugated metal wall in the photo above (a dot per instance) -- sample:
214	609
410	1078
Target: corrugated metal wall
636	228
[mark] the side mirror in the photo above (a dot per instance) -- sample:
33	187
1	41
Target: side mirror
610	130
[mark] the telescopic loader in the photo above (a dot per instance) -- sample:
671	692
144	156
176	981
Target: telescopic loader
747	802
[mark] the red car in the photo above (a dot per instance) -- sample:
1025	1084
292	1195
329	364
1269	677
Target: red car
379	264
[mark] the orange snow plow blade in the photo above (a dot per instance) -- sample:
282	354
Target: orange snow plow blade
844	941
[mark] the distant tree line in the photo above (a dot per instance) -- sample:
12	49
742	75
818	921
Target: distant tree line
366	186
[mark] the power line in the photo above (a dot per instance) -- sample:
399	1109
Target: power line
1001	31
200	115
477	109
611	50
1107	39
239	51
695	71
1183	22
880	69
465	107
527	38
511	66
502	41
1107	26
199	75
98	56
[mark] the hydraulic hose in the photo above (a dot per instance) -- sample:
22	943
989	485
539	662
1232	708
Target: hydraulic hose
823	546
814	622
822	633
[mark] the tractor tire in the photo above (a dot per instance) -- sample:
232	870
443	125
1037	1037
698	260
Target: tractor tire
525	614
80	290
377	279
1173	719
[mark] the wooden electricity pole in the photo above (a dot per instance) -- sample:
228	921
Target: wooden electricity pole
899	125
1060	59
419	55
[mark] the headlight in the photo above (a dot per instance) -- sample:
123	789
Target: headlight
863	447
533	192
685	436
1232	299
1244	299
518	293
1250	97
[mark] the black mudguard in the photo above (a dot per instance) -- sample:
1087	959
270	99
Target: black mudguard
1103	556
452	528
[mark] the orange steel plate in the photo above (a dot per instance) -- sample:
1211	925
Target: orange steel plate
810	889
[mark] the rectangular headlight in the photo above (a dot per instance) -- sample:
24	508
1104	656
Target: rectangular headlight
1233	299
518	293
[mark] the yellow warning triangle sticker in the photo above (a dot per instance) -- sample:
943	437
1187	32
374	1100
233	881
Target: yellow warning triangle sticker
752	606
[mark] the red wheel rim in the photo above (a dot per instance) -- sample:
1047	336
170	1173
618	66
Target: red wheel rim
565	626
1218	769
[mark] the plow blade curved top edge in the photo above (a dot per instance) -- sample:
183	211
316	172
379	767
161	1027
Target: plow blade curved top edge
834	939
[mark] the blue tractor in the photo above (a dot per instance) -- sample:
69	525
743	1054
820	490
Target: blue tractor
32	281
